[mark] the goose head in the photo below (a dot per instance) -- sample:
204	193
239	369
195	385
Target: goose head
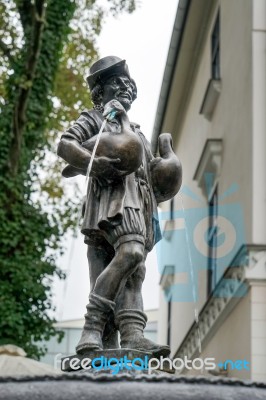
113	108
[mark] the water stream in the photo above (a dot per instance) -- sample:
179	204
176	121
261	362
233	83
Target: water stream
94	150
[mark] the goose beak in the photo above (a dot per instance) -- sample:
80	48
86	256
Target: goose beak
108	108
111	115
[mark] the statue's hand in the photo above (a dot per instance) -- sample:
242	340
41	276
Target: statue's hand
105	167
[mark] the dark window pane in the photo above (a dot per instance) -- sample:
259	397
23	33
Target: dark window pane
212	242
215	49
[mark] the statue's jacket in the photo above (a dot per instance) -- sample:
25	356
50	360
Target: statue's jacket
105	201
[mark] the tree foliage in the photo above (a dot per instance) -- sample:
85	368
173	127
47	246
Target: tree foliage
46	48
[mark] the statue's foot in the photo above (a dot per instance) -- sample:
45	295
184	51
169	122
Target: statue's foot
98	311
131	323
144	344
90	341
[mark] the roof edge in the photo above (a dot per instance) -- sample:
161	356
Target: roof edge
177	34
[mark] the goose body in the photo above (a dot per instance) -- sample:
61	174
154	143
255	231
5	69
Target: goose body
125	145
166	170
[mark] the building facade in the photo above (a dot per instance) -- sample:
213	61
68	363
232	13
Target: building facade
213	254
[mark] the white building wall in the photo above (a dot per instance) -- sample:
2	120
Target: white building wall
231	121
259	121
231	341
258	331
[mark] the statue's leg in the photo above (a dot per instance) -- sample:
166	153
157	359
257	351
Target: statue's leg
130	318
105	291
98	259
129	255
130	295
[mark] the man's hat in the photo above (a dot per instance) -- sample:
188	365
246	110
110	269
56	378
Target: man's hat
107	66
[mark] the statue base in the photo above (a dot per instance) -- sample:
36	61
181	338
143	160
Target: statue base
114	361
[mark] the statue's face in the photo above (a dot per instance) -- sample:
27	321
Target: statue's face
118	87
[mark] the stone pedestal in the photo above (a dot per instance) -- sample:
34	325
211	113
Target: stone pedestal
128	386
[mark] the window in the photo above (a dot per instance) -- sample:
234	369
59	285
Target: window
215	49
166	282
172	209
213	89
169	321
212	242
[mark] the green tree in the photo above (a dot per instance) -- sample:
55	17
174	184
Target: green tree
45	49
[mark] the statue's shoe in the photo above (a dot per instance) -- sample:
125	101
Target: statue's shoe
90	341
96	317
146	345
131	324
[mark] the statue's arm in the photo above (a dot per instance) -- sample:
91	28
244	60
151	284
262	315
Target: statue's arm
166	170
78	158
73	153
71	147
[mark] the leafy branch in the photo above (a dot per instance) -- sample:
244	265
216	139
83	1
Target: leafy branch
19	118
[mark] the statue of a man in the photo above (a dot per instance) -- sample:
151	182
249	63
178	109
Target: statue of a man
120	221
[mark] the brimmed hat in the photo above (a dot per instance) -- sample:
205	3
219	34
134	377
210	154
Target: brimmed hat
106	67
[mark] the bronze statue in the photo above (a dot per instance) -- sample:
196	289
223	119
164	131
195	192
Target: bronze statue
120	220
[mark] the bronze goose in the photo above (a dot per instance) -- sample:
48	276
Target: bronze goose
124	144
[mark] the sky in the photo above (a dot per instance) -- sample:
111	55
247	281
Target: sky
142	39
